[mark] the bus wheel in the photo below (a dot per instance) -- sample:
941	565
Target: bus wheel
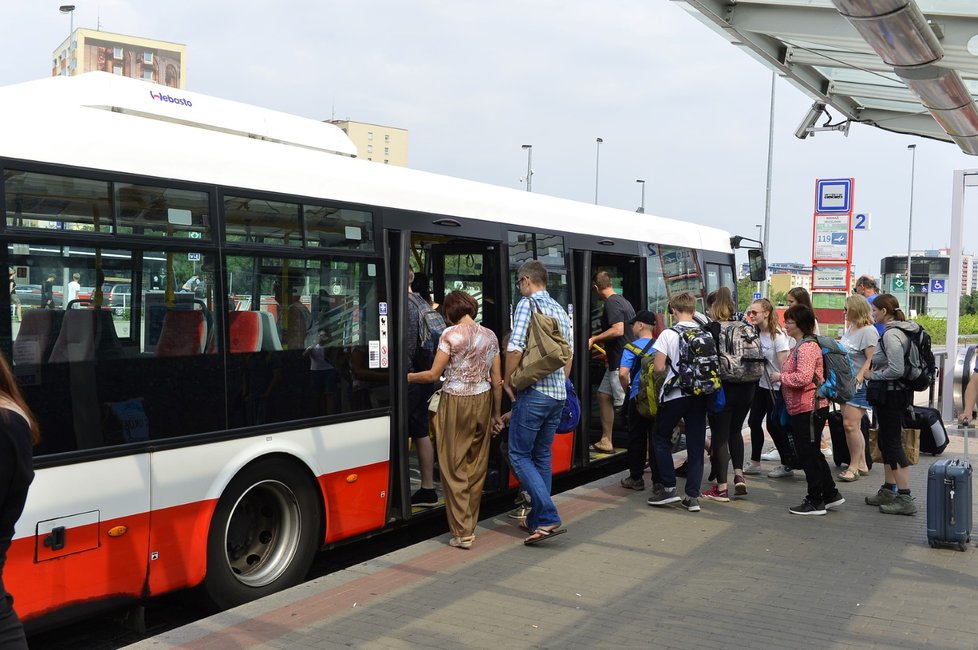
264	534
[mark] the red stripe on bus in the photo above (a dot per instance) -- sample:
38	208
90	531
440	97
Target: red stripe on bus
356	500
116	568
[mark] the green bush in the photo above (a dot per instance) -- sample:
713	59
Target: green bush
937	327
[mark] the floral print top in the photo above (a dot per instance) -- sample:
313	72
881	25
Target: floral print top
471	349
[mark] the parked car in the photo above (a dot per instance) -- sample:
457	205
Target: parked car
119	298
29	294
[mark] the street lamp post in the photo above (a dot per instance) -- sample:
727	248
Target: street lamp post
529	167
760	238
641	208
70	10
597	160
913	164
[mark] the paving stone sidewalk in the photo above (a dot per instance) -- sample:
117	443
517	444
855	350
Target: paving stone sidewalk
744	574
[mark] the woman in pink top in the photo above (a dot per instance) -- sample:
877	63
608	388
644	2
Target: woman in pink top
471	395
801	373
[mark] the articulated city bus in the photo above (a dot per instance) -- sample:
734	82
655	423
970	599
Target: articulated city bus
186	442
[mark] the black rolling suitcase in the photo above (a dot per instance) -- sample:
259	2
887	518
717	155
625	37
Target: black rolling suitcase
933	434
949	503
840	447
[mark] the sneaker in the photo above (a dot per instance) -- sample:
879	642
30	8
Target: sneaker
519	513
808	508
781	472
633	483
740	484
425	498
663	496
752	470
834	500
826	449
902	504
715	494
771	454
692	504
883	497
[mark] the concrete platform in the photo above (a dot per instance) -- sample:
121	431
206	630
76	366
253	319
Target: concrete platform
744	574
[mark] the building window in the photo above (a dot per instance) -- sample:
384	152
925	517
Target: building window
148	74
387	137
370	148
117	53
386	161
117	69
370	135
148	58
387	151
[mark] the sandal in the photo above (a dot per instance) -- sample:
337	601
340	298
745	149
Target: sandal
462	542
602	450
864	472
541	534
848	476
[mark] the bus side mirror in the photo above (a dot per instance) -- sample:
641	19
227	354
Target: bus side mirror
757	265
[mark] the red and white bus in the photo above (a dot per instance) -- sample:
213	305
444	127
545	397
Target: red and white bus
185	441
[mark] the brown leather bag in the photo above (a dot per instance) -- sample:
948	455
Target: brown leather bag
546	350
910	438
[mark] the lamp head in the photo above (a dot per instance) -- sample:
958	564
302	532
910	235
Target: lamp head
527	146
66	9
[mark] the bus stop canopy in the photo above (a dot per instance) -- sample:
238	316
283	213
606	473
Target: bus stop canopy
900	65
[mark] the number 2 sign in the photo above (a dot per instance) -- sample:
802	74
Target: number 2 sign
861	220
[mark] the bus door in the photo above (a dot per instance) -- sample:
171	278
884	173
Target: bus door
442	264
626	279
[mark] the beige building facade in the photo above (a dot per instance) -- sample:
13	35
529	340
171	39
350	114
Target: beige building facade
88	50
383	144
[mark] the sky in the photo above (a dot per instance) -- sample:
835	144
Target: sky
674	103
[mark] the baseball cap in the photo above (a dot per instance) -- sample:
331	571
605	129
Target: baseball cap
643	316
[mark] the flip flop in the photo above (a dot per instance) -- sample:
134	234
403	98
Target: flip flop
598	449
541	534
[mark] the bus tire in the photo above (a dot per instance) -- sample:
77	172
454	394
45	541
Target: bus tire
264	534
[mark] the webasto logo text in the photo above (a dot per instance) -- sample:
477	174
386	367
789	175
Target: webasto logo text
171	100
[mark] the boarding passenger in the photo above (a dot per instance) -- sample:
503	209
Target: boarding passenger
417	402
726	426
867	288
774	347
860	340
612	337
468	354
18	434
640	447
676	405
890	404
537	409
801	373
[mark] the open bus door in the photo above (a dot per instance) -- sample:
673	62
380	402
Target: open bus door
443	264
627	277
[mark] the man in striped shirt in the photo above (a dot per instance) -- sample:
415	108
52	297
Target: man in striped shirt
536	409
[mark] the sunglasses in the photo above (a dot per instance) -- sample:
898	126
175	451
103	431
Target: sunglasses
752	312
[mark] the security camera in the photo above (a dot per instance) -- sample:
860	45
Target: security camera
815	112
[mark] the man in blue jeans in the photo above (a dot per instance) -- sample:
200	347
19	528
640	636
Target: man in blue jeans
536	409
675	406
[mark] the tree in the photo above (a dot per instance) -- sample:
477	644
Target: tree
969	303
745	293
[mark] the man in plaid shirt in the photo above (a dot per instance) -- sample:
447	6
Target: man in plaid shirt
536	409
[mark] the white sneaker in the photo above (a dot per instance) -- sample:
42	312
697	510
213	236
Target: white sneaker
780	472
771	454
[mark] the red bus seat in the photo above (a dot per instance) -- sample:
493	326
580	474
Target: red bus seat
246	331
184	333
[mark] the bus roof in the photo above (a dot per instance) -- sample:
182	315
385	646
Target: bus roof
108	122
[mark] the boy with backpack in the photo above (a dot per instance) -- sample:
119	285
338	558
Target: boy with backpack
637	366
686	356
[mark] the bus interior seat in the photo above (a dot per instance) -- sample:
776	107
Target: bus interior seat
39	329
85	334
245	328
270	341
184	333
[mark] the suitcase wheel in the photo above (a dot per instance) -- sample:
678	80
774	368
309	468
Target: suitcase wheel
932	543
961	546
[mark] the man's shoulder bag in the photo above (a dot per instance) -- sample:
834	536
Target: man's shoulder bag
546	350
